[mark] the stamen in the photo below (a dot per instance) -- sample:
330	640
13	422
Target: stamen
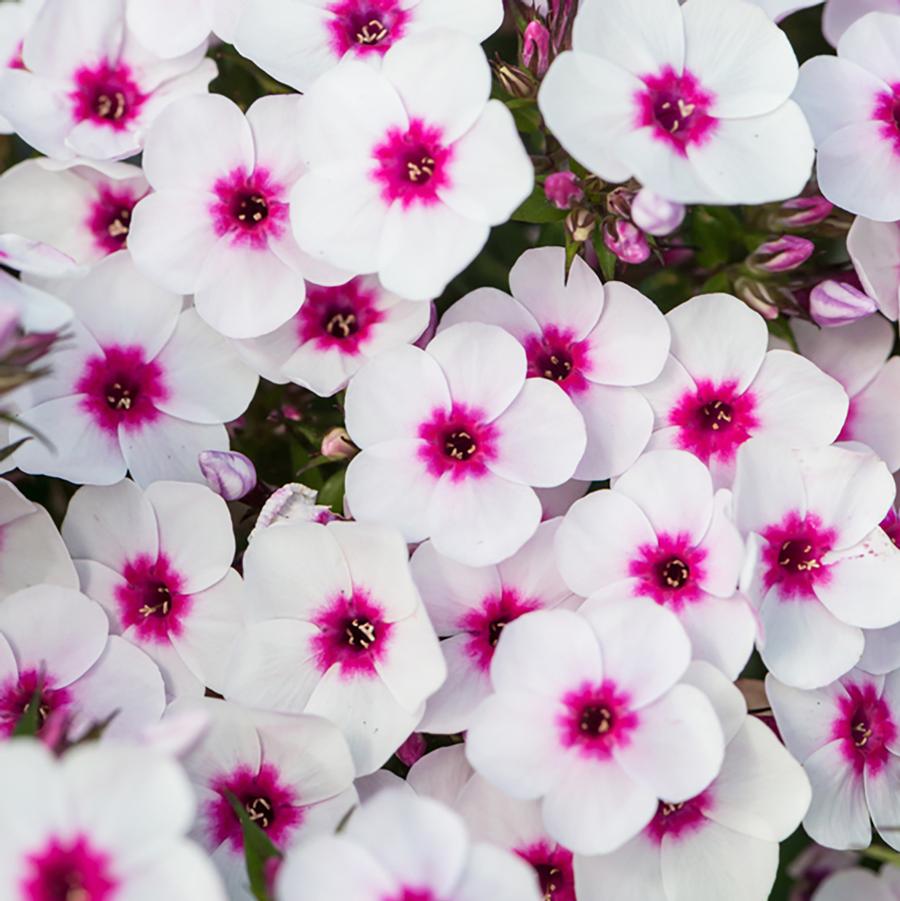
373	32
669	809
342	325
108	107
460	445
163	606
260	812
361	633
864	733
119	227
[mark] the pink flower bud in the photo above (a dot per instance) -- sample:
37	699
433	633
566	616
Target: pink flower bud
618	202
626	241
654	214
782	254
562	190
230	474
292	503
833	303
337	444
803	211
536	46
430	329
412	749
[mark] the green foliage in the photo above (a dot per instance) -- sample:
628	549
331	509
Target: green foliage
258	849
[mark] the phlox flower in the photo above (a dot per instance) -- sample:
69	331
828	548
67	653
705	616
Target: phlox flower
874	248
171	28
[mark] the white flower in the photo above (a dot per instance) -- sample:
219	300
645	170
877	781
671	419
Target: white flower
171	28
298	40
650	91
409	166
471	606
103	822
819	568
874	248
596	726
138	385
159	562
453	440
337	629
88	89
595	341
839	15
850	101
860	883
15	20
398	846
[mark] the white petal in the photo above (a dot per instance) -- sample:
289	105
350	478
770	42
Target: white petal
632	873
883	799
874	248
872	419
768	485
493	873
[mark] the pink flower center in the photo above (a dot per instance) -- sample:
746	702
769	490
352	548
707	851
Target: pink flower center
677	108
674	820
891	526
352	634
341	317
596	719
366	26
714	420
121	388
107	95
557	356
887	111
412	166
793	555
669	571
865	727
69	870
151	600
109	219
249	207
17	694
458	442
553	865
485	625
269	803
413	894
16	61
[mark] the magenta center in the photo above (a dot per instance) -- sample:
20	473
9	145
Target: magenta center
109	219
553	865
352	634
107	95
366	26
793	555
677	108
486	623
69	870
17	694
865	727
412	166
251	208
595	719
557	356
670	571
887	111
151	599
342	318
674	820
458	442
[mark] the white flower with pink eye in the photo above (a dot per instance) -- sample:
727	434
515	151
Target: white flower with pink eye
159	562
55	642
172	28
858	355
399	847
811	521
334	333
495	817
595	727
647	92
662	533
734	825
860	883
145	389
471	606
292	774
87	88
103	822
595	341
296	41
336	629
31	549
82	209
217	225
15	20
455	438
852	102
847	736
409	165
874	248
720	387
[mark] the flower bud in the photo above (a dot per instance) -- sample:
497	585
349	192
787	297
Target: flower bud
654	214
803	211
230	474
626	241
833	303
412	749
9	326
536	48
758	297
562	190
337	444
580	225
516	82
782	254
292	503
618	202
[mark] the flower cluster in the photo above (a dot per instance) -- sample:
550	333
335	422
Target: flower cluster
450	450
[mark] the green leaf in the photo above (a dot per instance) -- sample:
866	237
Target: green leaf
879	852
30	721
331	494
716	284
10	449
572	248
258	849
605	256
537	210
718	235
780	328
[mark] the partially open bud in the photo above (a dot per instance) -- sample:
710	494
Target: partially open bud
782	254
536	48
580	225
563	190
337	444
618	202
803	211
516	82
654	214
834	303
758	297
292	503
626	241
229	473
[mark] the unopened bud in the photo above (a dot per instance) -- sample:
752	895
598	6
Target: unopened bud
580	225
654	214
536	48
562	190
782	254
516	82
758	297
618	202
337	444
412	749
626	241
803	211
833	303
229	473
